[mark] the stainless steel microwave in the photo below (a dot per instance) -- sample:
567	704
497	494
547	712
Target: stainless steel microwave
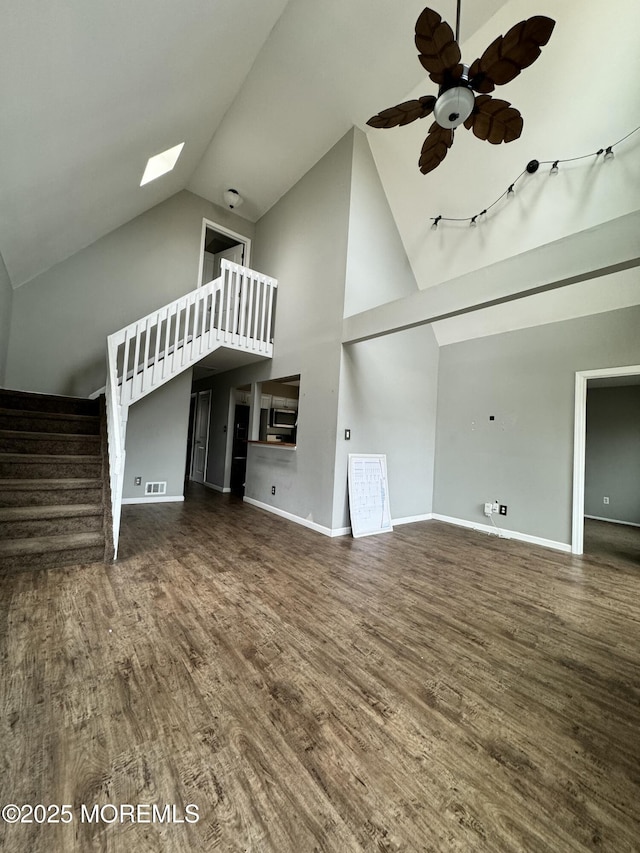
284	418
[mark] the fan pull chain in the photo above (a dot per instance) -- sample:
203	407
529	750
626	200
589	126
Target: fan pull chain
530	168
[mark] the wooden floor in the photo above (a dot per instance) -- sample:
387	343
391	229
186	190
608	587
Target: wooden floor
432	689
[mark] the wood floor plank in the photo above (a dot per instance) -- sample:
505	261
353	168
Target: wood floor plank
432	689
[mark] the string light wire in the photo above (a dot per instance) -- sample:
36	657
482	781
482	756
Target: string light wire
510	191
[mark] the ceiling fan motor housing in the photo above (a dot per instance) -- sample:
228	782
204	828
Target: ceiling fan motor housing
455	103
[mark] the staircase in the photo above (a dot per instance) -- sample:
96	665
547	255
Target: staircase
55	505
62	458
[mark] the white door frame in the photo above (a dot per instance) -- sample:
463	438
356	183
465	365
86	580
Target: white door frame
241	238
580	444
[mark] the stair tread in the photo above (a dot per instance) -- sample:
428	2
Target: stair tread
41	544
61	416
48	436
42	484
41	395
28	513
33	458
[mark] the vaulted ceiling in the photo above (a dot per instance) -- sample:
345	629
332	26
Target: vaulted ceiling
258	91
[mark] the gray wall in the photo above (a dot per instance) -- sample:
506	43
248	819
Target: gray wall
613	453
387	386
61	318
525	379
157	438
388	396
378	269
301	241
6	299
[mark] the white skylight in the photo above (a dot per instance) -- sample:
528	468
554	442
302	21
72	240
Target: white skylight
162	163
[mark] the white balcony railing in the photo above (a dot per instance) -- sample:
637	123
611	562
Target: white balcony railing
233	311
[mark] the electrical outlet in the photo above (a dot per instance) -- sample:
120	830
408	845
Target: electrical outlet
138	481
273	490
488	508
503	509
496	507
347	435
605	500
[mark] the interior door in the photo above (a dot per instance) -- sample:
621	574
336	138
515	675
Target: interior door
208	266
235	254
200	437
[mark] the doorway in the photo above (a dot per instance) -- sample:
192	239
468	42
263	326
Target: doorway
240	441
219	243
579	443
200	412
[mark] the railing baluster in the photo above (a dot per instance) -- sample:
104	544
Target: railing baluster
236	304
176	338
256	310
125	367
229	299
167	336
195	335
270	315
204	303
185	336
207	318
242	329
136	359
154	369
145	363
264	312
213	320
250	288
221	307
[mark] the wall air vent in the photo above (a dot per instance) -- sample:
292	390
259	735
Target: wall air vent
155	488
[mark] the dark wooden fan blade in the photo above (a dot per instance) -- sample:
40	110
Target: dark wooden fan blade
436	145
404	113
494	120
505	57
439	51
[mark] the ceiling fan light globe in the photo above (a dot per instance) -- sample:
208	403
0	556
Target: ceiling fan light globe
454	106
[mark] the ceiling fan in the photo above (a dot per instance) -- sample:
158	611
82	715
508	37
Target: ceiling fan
489	118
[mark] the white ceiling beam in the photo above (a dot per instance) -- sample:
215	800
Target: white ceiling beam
594	252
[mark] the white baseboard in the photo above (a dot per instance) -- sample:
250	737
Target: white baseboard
148	499
410	519
215	487
304	522
612	520
327	531
98	393
506	534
